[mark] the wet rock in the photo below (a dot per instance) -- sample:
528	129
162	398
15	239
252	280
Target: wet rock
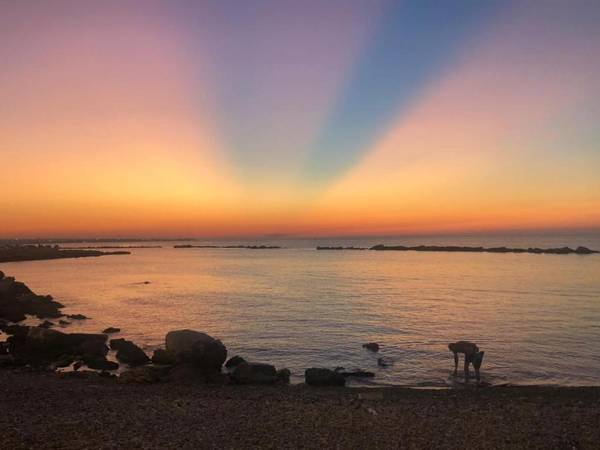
100	363
234	361
128	352
283	376
163	357
385	361
323	377
197	348
372	346
254	373
77	316
111	330
16	330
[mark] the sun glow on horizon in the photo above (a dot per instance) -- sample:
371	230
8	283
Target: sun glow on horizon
217	119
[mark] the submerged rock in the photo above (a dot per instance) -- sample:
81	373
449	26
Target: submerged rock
111	330
372	346
234	361
254	373
128	352
77	316
197	348
385	361
323	377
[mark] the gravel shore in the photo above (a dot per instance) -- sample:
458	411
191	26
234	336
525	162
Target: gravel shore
47	410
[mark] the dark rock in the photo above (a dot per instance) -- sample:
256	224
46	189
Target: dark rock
110	330
128	352
163	357
1	275
100	363
254	373
234	361
283	376
16	330
17	300
197	348
115	343
3	324
372	346
323	377
77	365
46	324
64	322
77	316
385	361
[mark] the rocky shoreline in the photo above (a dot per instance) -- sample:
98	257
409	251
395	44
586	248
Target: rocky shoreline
189	395
14	253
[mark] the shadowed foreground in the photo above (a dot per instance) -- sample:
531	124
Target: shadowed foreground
42	410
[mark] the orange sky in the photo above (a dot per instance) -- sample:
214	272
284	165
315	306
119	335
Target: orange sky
206	122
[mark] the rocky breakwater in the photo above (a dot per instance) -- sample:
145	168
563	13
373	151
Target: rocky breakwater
10	253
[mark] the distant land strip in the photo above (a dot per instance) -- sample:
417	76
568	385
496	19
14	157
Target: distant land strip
112	246
250	247
43	252
455	248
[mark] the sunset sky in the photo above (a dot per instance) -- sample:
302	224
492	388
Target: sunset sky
332	117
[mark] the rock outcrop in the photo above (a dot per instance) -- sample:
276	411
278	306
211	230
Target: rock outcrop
254	373
196	348
128	352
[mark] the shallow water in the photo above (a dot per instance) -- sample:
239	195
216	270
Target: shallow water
536	316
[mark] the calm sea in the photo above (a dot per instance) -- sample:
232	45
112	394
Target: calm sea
536	316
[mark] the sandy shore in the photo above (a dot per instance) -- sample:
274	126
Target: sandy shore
45	410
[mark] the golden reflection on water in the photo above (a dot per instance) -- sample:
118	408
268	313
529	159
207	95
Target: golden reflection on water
536	316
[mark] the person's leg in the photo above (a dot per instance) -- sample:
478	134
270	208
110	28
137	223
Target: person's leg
467	362
455	363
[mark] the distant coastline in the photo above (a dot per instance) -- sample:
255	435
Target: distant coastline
18	253
454	248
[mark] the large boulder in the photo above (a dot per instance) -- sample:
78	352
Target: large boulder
163	358
128	352
323	377
197	348
254	373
